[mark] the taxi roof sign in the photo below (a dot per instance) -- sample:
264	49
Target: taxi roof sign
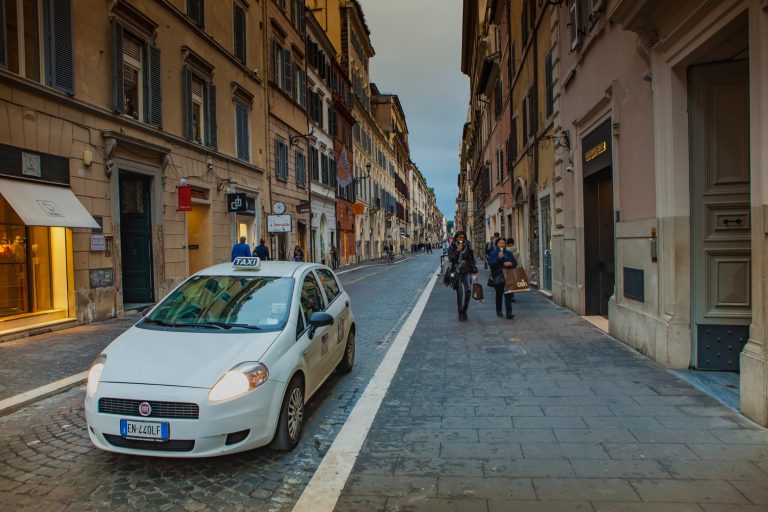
246	263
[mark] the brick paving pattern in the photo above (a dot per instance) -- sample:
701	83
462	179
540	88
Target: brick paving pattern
547	413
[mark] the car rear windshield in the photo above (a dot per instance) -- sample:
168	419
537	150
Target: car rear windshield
227	303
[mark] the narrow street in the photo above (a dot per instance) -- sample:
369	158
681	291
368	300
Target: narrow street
544	412
47	461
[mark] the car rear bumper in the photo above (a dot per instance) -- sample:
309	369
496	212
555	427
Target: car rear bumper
256	412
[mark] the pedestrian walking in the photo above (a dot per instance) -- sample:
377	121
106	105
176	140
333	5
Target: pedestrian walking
463	269
334	257
241	249
298	254
261	250
499	259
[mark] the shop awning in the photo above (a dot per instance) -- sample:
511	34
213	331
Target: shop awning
40	204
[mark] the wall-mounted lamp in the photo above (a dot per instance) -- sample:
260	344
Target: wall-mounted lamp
365	176
209	163
296	138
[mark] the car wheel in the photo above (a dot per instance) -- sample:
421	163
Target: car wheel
348	360
291	421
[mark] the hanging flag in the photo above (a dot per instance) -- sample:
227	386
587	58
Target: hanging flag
343	169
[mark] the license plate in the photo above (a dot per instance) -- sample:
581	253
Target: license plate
158	431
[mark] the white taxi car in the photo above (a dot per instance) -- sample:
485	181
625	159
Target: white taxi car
224	363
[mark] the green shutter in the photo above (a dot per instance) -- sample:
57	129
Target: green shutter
241	123
186	98
153	99
287	72
118	92
210	116
60	51
239	28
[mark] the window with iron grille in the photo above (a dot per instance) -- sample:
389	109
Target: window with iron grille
281	160
242	138
238	24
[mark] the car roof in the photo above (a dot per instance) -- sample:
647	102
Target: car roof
266	268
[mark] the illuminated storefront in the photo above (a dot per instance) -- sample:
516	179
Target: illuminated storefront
36	272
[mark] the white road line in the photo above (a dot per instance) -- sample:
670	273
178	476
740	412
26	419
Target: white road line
324	489
353	269
14	403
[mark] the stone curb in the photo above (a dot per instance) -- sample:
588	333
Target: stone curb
19	401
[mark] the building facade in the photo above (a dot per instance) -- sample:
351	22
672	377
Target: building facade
114	135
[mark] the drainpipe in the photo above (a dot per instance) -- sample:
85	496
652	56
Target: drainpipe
267	146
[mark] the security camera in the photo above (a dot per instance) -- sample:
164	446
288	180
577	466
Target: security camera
569	169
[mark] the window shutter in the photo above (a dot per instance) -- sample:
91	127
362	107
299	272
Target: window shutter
195	11
3	46
118	93
275	63
210	117
186	98
61	72
243	139
287	71
239	26
153	99
278	167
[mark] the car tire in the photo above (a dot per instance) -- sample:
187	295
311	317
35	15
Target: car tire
348	359
291	421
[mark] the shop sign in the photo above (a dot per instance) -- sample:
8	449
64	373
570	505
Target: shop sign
303	208
185	198
597	154
237	202
358	209
30	165
279	223
98	243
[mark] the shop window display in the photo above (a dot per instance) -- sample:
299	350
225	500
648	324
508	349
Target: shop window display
25	265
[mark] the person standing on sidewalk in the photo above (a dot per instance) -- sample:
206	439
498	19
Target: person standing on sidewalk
499	259
462	259
261	250
334	257
241	249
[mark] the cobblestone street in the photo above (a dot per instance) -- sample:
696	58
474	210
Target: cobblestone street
47	462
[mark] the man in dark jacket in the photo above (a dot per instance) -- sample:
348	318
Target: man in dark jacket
463	267
240	249
262	251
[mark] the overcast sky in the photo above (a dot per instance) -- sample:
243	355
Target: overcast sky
418	57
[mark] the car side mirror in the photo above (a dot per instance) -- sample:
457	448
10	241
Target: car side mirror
318	319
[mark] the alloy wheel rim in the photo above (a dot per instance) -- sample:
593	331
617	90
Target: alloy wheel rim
295	413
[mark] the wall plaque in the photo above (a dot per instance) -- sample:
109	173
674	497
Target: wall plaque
101	277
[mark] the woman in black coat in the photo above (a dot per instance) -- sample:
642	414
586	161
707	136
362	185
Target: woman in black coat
499	259
463	267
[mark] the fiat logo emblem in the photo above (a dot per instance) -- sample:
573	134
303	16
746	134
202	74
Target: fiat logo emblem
145	409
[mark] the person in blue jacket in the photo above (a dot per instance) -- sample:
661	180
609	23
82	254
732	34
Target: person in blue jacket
241	249
261	250
499	259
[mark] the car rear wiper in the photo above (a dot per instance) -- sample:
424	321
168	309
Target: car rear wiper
226	325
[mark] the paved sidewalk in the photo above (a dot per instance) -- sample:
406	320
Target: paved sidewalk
35	361
547	413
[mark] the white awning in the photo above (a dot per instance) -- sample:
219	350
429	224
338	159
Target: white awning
40	204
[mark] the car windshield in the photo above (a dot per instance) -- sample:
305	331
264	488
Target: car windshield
226	303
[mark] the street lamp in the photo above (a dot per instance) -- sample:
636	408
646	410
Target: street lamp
366	176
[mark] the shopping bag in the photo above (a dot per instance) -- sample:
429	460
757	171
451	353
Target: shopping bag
516	280
477	291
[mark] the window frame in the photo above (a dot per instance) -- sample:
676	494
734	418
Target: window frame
236	6
244	110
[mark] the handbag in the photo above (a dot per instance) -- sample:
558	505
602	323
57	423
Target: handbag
516	280
496	281
477	291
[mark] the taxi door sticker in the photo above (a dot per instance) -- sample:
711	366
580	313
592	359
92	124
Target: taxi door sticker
324	345
341	331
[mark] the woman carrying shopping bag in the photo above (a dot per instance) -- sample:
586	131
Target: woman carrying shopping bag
499	259
463	267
